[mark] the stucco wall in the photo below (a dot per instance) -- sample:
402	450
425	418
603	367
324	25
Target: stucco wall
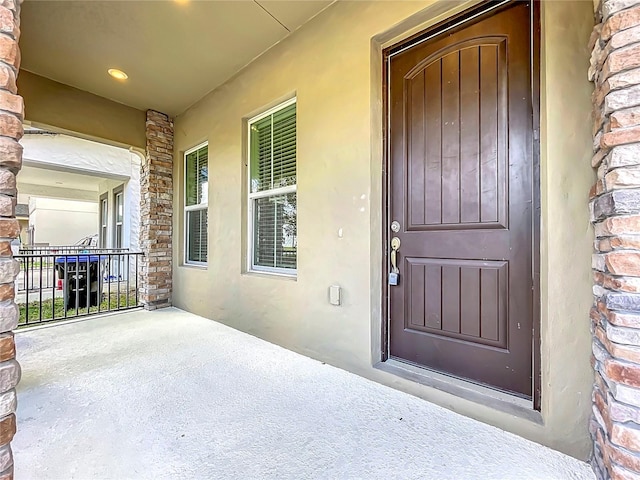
68	109
333	66
76	155
566	235
62	222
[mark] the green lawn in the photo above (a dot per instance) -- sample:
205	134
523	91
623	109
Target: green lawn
48	309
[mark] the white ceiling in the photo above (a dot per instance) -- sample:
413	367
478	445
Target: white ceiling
174	52
53	178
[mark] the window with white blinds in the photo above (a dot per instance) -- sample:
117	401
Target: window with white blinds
196	176
273	191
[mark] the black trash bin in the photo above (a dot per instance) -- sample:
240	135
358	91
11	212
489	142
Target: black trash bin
82	280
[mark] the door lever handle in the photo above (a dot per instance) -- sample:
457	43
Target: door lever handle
395	245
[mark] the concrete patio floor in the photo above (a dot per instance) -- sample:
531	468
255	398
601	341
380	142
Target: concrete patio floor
167	394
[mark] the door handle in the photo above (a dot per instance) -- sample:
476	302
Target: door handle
394	277
395	245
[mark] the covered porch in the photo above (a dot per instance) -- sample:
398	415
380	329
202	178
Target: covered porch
277	170
129	396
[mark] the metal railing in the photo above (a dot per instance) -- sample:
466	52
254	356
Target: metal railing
29	271
65	249
55	286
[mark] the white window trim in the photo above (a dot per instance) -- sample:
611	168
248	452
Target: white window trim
104	221
116	223
191	208
251	268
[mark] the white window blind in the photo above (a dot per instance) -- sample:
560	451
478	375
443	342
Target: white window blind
196	203
273	190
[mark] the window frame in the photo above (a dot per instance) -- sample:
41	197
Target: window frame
119	190
103	234
252	197
191	208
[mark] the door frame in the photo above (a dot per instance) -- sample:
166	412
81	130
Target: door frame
483	10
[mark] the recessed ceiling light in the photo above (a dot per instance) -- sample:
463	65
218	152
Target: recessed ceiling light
118	74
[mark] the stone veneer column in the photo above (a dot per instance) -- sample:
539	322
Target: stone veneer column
615	212
156	191
11	116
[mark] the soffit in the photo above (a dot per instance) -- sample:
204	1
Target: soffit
174	52
58	179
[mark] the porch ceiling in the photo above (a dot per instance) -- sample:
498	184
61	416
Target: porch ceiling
51	178
174	52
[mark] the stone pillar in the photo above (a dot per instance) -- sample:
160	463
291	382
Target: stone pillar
156	192
615	213
11	117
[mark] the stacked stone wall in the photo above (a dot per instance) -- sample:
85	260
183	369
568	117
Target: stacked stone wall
615	213
11	118
156	192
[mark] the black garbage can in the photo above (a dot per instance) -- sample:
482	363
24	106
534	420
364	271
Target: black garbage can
82	280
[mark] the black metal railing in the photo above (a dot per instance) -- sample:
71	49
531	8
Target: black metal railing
54	286
36	257
65	249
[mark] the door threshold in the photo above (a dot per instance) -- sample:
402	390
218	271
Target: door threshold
473	392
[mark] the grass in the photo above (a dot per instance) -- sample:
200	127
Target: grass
112	302
34	265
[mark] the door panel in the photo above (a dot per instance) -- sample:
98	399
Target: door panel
456	119
464	299
461	187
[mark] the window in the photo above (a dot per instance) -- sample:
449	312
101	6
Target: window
273	244
196	201
118	202
104	219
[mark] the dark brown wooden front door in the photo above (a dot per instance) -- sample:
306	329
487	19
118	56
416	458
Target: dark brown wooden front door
461	188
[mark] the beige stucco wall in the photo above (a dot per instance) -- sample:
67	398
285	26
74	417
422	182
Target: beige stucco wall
333	66
566	234
62	222
67	109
